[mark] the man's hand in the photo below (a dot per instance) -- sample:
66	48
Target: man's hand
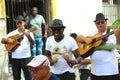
66	56
71	63
27	33
7	41
53	61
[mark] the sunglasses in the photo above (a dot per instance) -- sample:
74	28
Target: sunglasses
100	22
19	22
58	29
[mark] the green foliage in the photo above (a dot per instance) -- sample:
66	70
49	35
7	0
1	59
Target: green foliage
108	47
115	24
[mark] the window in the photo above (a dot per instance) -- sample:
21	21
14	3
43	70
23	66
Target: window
116	1
105	1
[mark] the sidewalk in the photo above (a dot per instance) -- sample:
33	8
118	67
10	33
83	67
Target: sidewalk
6	71
6	75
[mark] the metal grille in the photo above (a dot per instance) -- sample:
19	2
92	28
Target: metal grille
111	10
15	7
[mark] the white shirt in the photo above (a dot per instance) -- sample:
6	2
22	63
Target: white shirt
68	44
82	66
105	62
23	51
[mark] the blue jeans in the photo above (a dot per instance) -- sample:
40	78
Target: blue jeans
37	47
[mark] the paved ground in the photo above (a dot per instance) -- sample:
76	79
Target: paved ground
6	72
8	75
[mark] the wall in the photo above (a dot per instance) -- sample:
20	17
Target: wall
111	11
78	15
4	72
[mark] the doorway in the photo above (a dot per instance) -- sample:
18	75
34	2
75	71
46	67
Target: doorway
15	7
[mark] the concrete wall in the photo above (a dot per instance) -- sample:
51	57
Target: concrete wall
4	71
78	15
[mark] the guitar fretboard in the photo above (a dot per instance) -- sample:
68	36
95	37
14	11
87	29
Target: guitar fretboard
18	37
103	36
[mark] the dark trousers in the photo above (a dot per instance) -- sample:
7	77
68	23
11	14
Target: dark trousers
84	74
110	77
17	65
67	76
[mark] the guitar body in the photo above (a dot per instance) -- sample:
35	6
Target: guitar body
87	49
13	46
17	39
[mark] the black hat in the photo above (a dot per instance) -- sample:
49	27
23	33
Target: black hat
19	19
57	23
100	16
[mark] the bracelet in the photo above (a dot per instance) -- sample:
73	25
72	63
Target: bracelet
46	33
76	61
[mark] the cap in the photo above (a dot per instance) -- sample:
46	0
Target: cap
57	23
100	16
19	19
39	61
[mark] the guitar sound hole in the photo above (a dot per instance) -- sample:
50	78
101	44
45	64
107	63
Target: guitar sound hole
83	45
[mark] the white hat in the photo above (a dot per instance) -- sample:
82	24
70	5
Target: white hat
39	61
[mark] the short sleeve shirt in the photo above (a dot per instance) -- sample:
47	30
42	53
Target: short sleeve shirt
67	45
37	21
105	62
23	51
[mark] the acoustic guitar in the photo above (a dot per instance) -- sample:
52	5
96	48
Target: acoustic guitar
87	49
16	41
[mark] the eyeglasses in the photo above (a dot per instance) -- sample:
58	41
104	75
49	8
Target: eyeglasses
35	70
58	29
99	22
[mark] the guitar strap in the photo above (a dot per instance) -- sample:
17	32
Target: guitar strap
105	39
108	30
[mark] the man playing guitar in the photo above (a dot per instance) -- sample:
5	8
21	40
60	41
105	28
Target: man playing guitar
21	55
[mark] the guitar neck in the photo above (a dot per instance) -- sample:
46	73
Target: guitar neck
15	39
103	36
31	30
